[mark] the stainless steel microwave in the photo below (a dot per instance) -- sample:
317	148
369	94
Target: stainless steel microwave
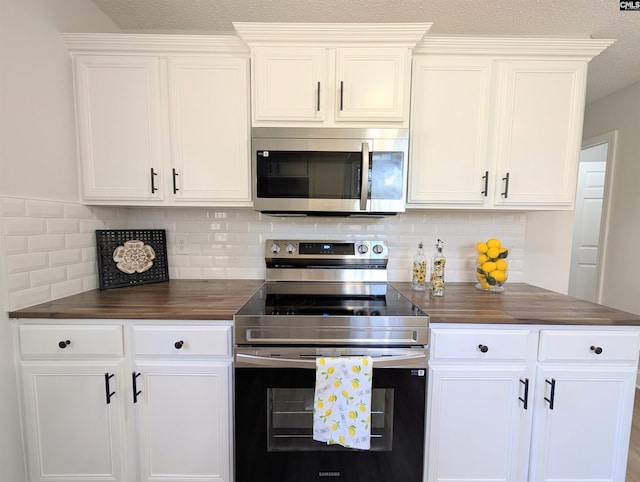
329	171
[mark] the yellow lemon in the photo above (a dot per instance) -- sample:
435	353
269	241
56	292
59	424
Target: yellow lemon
499	276
484	284
479	275
334	426
355	383
345	394
504	252
493	243
482	258
320	404
488	267
352	430
482	247
493	253
356	368
353	414
332	398
328	412
342	439
362	406
337	383
501	265
330	370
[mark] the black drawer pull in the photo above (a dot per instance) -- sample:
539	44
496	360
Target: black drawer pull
483	348
596	349
64	343
525	398
552	394
134	381
108	391
178	344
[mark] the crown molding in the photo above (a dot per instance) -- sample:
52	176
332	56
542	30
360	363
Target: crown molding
153	43
256	34
582	48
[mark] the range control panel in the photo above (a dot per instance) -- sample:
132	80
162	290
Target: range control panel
360	249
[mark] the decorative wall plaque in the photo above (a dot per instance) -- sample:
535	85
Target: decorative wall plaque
128	257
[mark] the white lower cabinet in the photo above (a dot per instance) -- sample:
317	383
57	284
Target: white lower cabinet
124	402
534	404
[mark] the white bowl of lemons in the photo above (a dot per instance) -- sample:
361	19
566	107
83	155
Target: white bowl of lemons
491	265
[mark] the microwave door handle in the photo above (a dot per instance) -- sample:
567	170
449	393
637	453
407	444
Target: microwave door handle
364	177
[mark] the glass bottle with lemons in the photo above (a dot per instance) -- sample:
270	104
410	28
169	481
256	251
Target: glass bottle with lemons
491	265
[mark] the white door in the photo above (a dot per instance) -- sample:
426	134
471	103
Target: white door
118	105
582	424
72	432
586	229
183	421
209	114
479	426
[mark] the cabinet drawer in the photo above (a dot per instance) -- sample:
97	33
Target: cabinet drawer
70	340
182	340
567	345
479	344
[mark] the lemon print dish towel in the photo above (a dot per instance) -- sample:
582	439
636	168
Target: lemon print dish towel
342	401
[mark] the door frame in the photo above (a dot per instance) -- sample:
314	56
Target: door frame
603	238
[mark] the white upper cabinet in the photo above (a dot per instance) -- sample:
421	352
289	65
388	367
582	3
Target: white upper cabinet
162	119
119	126
209	128
497	123
333	75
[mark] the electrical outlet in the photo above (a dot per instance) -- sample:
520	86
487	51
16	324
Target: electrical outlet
182	246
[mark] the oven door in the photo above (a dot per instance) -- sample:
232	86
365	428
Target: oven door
274	392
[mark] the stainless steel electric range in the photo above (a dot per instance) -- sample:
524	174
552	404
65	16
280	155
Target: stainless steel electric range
327	298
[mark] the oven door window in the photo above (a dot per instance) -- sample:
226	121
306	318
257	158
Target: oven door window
290	420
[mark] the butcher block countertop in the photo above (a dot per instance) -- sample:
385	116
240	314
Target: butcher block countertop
170	300
220	299
520	303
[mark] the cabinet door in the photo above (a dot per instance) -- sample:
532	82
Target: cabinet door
183	421
479	427
72	432
539	129
209	115
290	84
449	130
372	84
582	424
118	100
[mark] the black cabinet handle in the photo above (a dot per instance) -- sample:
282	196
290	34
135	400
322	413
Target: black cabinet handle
485	178
596	349
153	181
178	344
107	389
552	394
483	348
505	194
341	94
64	343
175	186
136	392
525	398
318	99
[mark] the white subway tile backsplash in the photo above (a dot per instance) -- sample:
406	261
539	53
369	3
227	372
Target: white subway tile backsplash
65	257
13	207
44	209
48	242
26	262
63	226
48	276
24	226
16	244
227	243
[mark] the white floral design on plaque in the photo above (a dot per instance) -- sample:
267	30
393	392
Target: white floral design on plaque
134	257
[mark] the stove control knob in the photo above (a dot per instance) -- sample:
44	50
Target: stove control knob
363	248
275	248
377	248
291	248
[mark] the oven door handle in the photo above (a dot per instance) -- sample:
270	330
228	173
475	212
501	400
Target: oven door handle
364	177
391	361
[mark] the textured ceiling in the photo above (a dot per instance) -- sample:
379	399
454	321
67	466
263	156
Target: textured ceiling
615	68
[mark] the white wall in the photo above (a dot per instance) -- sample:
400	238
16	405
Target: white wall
37	150
621	111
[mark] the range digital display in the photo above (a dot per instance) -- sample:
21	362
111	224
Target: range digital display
327	248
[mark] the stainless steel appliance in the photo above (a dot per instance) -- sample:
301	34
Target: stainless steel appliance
327	298
329	171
